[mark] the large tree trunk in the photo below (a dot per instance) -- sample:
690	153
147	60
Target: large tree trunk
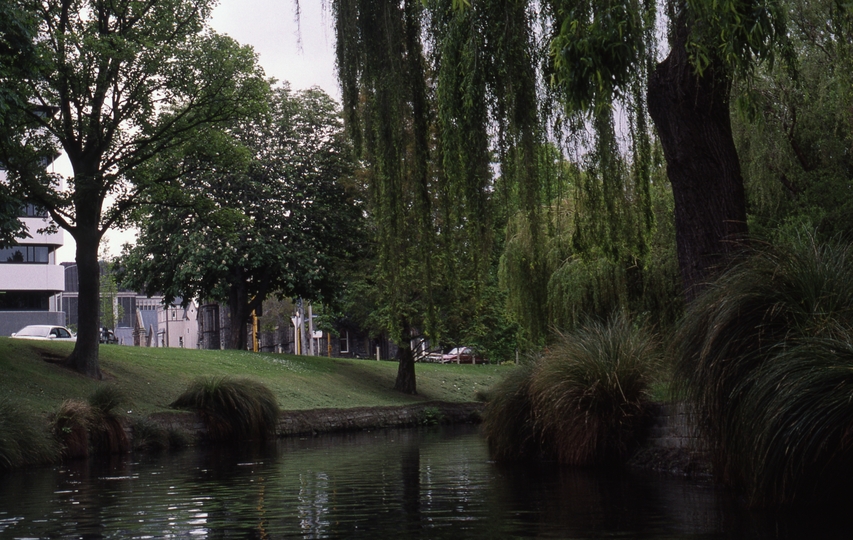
691	114
406	370
84	357
238	306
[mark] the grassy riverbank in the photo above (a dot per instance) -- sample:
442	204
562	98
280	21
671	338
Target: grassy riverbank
153	378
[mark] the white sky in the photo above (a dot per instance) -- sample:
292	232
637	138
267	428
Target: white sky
270	27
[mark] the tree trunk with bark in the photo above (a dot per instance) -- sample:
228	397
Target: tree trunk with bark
691	114
84	357
406	370
238	307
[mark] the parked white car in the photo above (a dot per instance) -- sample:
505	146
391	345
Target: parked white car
45	332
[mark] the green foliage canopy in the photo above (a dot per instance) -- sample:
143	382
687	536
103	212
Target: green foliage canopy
262	208
129	79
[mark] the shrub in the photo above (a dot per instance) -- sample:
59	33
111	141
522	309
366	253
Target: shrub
22	441
764	357
508	417
71	426
106	428
590	391
91	426
431	416
149	436
232	409
583	402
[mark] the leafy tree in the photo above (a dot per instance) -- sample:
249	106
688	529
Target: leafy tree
130	79
266	211
17	60
794	137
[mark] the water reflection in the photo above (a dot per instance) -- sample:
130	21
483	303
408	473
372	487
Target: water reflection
400	484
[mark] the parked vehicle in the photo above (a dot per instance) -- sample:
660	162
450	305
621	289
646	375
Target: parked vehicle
108	336
433	356
45	332
462	355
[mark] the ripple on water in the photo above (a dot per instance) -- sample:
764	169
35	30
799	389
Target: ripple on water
382	484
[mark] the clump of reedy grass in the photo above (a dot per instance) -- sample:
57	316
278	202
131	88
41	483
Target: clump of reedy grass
22	439
584	401
91	426
232	409
107	431
590	391
508	423
764	357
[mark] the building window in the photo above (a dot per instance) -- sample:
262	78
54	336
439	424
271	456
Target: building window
25	255
345	342
24	301
31	210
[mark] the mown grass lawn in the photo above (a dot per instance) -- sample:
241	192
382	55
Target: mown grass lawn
153	378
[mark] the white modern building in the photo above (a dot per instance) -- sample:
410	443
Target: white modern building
30	279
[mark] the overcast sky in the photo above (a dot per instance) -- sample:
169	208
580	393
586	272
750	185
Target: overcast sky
270	27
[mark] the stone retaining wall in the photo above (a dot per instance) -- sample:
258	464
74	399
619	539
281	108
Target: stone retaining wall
671	427
314	421
328	420
672	446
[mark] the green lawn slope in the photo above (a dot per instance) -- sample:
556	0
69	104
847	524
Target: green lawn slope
152	378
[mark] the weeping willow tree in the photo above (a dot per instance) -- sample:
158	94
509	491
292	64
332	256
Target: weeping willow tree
794	137
436	98
454	104
597	174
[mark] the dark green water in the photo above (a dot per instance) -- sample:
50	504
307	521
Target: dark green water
384	484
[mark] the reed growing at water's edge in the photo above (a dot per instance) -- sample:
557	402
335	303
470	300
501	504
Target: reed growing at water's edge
583	402
92	426
23	441
233	409
508	417
765	359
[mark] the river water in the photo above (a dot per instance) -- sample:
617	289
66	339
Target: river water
386	484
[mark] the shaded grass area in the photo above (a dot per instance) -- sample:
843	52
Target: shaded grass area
151	379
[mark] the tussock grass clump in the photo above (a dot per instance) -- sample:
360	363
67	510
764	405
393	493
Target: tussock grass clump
232	409
107	433
590	391
149	436
71	426
508	421
22	441
765	357
583	402
92	426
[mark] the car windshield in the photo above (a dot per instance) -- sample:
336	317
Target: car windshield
34	331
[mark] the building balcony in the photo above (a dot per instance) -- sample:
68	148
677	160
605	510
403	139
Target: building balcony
33	224
32	277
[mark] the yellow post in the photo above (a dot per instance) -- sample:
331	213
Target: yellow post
254	332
